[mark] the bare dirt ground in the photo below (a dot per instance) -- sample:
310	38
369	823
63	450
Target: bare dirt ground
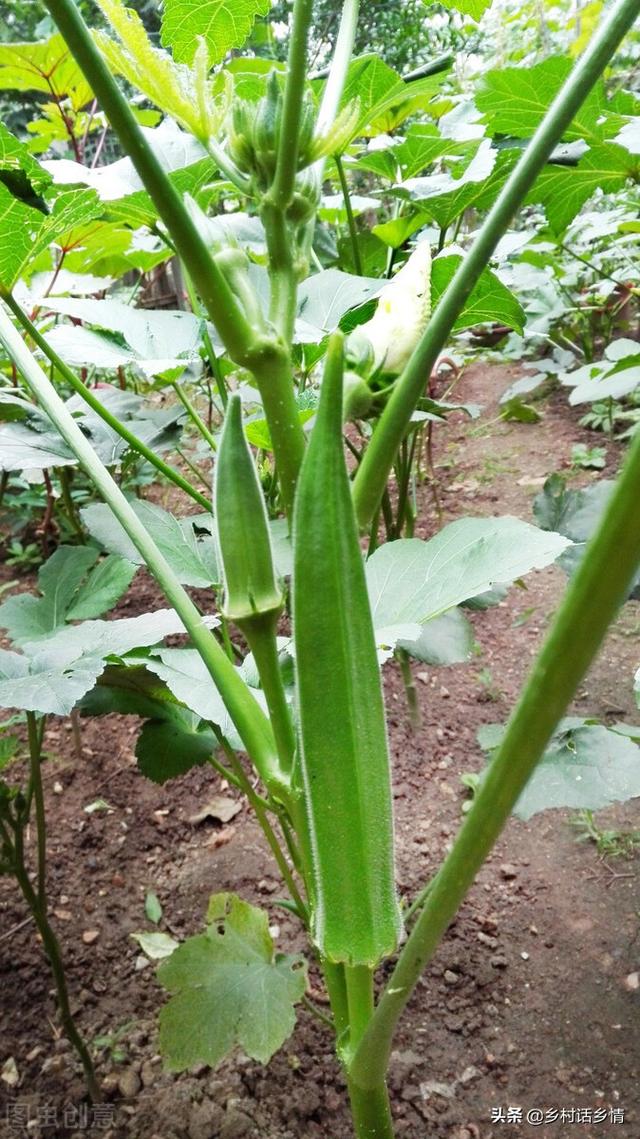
529	1004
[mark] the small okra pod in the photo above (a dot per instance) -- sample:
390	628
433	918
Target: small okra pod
343	754
251	588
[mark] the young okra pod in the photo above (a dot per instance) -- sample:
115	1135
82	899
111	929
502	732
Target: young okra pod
343	755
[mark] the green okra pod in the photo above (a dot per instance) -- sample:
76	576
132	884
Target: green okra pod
251	589
344	761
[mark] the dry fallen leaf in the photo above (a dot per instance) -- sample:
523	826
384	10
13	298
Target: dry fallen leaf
220	838
221	809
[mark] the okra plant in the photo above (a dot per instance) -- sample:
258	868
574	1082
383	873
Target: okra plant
317	769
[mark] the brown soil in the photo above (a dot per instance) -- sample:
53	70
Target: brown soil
527	1004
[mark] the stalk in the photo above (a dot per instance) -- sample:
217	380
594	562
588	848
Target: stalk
194	417
220	302
282	189
250	721
94	403
373	473
590	604
261	353
370	1107
351	221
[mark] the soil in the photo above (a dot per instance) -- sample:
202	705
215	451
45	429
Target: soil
531	1003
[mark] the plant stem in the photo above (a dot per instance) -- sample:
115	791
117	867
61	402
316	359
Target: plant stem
94	403
258	806
282	189
69	505
261	638
374	470
251	723
221	304
194	417
369	1106
343	52
409	687
591	602
38	795
351	221
37	903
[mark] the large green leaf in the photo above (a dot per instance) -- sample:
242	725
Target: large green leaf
324	298
576	514
446	196
586	766
473	8
224	24
46	66
229	989
413	581
155	340
170	747
564	190
187	543
50	682
516	99
72	587
489	301
448	639
25	232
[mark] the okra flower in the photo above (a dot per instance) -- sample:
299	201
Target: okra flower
404	308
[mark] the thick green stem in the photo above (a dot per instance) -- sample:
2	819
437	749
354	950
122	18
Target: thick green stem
591	602
282	189
369	1106
373	473
221	304
250	721
94	403
274	377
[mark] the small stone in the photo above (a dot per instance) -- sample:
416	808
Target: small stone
469	1075
9	1073
237	1125
58	789
450	978
129	1084
525	956
90	936
142	962
632	982
499	962
508	871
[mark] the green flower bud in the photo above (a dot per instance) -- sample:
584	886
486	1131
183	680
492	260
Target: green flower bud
251	590
357	397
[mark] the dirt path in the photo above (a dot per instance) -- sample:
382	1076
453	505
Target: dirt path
527	1005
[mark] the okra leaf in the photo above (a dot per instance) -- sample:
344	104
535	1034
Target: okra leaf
575	514
489	301
48	683
229	989
473	8
586	766
187	678
448	639
515	100
187	543
324	298
412	580
72	587
167	748
224	24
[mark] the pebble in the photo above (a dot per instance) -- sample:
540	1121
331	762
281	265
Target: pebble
632	982
508	871
90	936
499	962
129	1084
450	978
237	1125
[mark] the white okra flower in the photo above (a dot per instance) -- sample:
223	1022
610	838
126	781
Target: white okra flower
404	308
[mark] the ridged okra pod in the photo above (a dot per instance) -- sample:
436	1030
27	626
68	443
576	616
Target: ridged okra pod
344	762
252	594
